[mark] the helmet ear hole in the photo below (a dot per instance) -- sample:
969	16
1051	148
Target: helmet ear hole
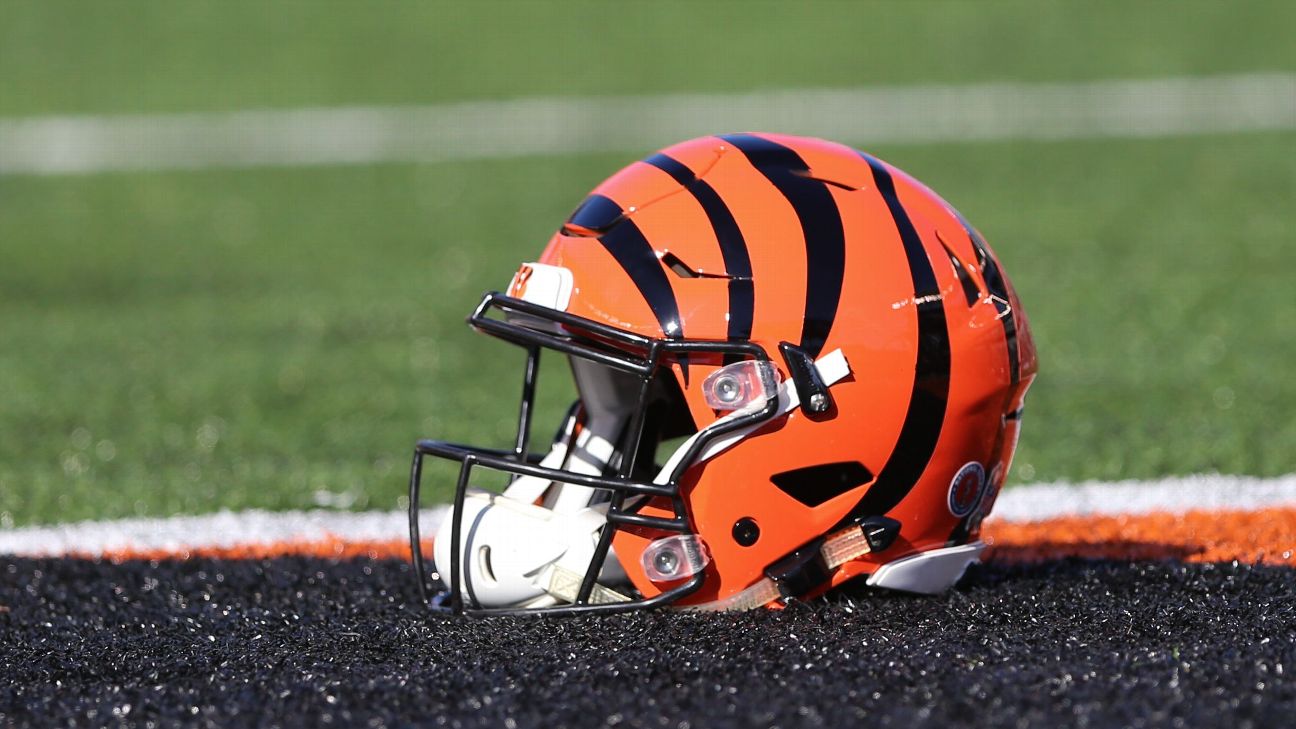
746	531
484	563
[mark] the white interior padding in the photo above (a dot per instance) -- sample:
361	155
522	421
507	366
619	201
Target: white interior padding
507	545
513	543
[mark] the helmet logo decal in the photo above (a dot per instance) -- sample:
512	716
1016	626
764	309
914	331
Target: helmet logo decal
966	489
821	225
518	286
541	283
733	247
926	413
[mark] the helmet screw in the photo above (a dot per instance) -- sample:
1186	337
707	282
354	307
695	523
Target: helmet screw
666	562
746	531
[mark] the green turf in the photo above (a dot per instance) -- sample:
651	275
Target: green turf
63	57
278	338
181	342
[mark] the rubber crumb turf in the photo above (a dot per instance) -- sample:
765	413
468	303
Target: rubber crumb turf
309	642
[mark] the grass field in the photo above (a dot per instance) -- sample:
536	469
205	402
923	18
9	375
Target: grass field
182	342
62	56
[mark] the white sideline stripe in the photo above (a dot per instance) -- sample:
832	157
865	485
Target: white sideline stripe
562	125
1176	495
233	529
224	529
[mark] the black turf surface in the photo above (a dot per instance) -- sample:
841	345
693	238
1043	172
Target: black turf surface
306	642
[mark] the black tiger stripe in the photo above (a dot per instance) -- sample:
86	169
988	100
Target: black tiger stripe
733	247
597	213
673	167
631	250
821	226
998	287
926	414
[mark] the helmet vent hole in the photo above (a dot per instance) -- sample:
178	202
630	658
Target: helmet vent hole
971	291
683	270
484	563
839	184
814	485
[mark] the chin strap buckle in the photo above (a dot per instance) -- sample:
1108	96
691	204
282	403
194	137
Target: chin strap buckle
812	564
880	532
801	571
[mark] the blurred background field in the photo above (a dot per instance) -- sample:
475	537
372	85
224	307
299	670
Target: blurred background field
185	341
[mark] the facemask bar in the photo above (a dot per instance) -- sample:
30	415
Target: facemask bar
613	348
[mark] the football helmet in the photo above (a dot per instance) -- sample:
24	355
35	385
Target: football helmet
795	366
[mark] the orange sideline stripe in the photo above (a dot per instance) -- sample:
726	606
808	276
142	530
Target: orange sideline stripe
1266	536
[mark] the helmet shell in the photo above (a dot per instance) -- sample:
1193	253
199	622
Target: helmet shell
773	239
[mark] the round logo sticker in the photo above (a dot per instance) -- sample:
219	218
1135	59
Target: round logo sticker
966	489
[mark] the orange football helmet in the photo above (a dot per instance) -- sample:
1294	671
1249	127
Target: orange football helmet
840	352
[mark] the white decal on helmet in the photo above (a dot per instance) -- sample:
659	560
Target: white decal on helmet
543	284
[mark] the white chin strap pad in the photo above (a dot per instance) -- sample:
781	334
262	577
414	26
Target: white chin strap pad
928	573
509	548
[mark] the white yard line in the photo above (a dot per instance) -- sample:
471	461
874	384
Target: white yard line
563	125
1178	494
231	529
223	529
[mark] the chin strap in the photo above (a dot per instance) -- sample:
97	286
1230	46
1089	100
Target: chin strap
811	565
